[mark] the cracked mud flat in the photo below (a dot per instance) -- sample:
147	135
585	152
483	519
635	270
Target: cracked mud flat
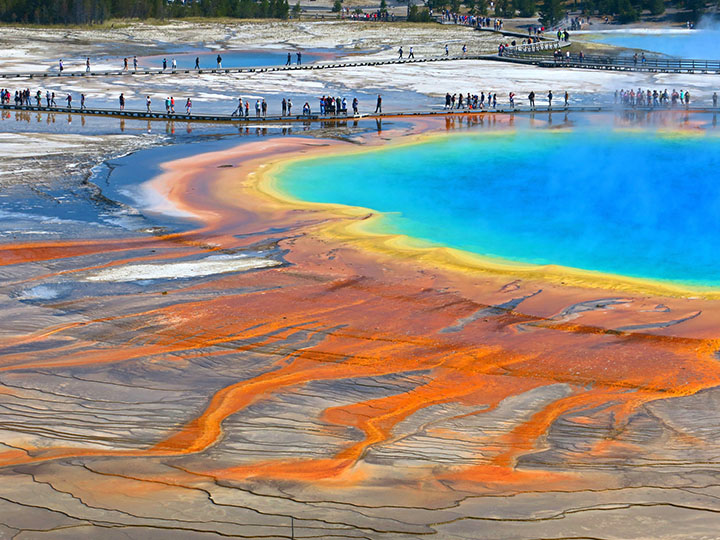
262	374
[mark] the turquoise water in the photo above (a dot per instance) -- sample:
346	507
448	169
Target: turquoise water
636	204
692	44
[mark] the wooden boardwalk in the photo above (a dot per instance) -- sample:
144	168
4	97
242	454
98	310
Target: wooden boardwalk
246	70
314	117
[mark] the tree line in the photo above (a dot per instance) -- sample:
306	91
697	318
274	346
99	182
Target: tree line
98	11
553	11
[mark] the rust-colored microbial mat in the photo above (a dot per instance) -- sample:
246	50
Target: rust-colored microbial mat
274	376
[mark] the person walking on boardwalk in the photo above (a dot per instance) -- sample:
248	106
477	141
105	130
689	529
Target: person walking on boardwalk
284	107
531	99
567	99
257	108
188	106
263	107
355	104
550	96
174	64
125	64
87	65
197	62
167	105
447	50
164	64
172	104
378	106
82	101
464	49
715	100
52	100
219	61
60	65
134	63
412	53
247	108
289	107
122	101
47	98
400	52
148	102
289	60
38	98
69	101
239	110
512	100
299	58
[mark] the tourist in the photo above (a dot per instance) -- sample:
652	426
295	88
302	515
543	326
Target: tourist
289	60
715	100
263	106
247	108
164	64
197	62
172	104
239	109
174	64
306	109
447	50
378	105
284	107
188	106
299	58
355	104
82	100
167	105
567	98
147	103
52	100
125	64
550	96
400	52
87	65
122	101
60	65
412	53
219	61
47	97
69	101
289	107
343	105
512	100
464	49
135	63
687	99
257	108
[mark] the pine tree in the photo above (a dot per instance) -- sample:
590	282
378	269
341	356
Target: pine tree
551	12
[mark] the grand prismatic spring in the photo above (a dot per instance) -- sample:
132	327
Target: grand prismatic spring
472	325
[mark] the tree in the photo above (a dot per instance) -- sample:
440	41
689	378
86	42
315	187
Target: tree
296	10
656	7
383	7
551	12
337	6
504	9
526	8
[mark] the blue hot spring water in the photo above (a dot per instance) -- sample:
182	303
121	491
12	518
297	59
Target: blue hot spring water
639	204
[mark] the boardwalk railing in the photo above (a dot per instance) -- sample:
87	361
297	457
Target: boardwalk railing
617	63
528	48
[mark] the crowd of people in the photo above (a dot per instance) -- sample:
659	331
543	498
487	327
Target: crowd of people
655	98
337	106
490	100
